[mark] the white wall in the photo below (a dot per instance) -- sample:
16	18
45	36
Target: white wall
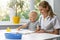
51	2
57	7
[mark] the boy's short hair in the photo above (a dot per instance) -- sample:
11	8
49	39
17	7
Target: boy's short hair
33	12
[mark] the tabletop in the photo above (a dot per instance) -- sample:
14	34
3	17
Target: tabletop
28	35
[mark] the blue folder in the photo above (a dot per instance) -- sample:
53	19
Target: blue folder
13	35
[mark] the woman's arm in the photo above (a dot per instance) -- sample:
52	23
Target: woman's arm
56	31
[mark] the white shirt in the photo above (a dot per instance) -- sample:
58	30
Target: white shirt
49	24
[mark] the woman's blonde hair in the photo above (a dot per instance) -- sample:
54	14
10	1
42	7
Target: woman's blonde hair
45	4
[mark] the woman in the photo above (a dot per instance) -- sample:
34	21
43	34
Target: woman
49	22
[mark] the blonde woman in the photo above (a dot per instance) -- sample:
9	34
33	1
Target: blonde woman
49	22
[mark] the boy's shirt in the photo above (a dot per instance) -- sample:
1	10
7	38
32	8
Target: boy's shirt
32	26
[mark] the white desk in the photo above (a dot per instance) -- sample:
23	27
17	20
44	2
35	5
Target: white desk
31	36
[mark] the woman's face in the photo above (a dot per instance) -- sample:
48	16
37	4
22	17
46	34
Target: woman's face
43	10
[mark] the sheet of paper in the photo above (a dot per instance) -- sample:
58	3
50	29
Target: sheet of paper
23	31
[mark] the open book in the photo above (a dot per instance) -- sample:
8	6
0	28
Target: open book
22	31
25	31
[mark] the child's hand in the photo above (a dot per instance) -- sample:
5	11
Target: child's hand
41	31
18	29
37	31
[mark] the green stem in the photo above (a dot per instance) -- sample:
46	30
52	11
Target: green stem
16	9
21	9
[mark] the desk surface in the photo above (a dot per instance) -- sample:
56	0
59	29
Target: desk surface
29	35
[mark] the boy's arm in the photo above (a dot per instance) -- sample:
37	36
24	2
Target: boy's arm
21	27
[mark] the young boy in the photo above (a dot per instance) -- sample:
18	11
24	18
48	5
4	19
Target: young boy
32	24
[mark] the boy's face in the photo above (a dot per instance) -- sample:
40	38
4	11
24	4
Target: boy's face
32	17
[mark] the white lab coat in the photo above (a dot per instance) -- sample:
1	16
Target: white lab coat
49	24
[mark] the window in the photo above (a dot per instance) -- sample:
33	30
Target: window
6	10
